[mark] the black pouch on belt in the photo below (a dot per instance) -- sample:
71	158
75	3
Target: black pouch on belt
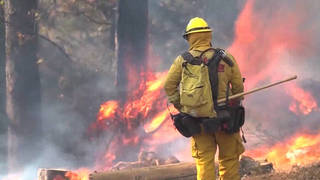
232	118
186	124
237	117
211	125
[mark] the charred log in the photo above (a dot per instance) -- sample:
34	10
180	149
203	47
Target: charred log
52	174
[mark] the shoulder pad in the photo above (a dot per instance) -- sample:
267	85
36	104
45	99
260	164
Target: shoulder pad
187	56
222	53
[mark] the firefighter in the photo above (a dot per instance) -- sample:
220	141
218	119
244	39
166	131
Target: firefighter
189	90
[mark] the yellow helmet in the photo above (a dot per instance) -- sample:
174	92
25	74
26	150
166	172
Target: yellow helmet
196	25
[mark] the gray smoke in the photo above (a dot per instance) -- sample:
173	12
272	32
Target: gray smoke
74	88
268	117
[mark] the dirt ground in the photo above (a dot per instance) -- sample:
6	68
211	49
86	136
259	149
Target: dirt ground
311	172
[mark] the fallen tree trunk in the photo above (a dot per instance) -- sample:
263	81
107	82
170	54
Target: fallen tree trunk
185	171
51	174
134	171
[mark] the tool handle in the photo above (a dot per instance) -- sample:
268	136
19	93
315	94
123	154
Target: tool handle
258	89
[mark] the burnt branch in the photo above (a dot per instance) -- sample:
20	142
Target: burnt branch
61	49
94	20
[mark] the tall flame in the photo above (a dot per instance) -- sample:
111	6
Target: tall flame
144	108
265	42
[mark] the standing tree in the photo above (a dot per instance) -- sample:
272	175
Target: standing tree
132	62
3	118
23	82
132	39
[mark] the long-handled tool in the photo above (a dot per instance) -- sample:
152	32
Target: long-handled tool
257	89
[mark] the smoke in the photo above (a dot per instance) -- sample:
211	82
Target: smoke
168	20
76	77
270	40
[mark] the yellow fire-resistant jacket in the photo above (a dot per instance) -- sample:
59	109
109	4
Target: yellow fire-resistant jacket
175	88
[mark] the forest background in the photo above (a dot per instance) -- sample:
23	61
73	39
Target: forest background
76	60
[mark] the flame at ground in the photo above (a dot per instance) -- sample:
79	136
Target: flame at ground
145	107
301	149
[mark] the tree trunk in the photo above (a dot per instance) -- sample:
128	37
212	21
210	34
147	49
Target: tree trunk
23	82
132	41
3	117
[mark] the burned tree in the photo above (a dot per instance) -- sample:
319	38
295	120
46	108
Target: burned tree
132	49
3	118
23	82
132	39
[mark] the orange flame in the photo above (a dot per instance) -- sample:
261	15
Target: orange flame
156	122
143	107
81	174
301	149
261	51
107	110
155	84
303	101
258	49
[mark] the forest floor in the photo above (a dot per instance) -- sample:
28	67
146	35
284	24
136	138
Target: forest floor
310	172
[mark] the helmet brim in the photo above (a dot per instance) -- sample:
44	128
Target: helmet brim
196	30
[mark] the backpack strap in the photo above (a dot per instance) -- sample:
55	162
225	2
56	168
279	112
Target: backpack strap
213	65
223	55
213	77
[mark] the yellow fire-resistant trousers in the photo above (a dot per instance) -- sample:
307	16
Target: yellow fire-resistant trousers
204	147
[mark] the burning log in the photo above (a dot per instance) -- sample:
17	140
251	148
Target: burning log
52	174
61	174
186	171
